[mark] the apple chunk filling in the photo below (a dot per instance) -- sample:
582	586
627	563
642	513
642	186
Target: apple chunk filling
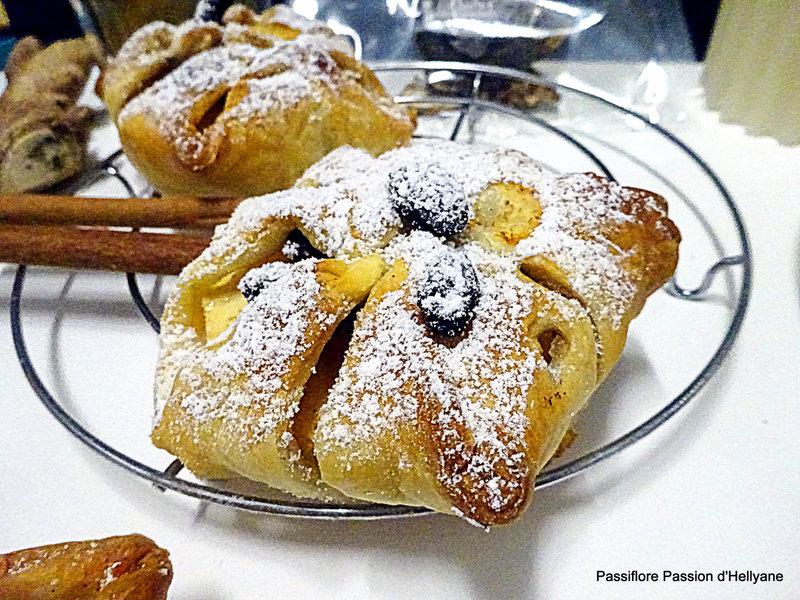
220	311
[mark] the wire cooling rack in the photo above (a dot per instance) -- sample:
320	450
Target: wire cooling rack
470	118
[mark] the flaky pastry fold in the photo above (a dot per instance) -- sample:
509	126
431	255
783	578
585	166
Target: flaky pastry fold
332	342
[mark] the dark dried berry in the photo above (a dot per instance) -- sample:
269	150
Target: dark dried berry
250	289
256	280
211	10
298	247
325	64
429	198
448	293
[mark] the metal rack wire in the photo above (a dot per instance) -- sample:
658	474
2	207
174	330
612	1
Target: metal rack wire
466	106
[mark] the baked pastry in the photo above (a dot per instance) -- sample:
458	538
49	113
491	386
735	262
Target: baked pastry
42	131
126	567
486	301
245	107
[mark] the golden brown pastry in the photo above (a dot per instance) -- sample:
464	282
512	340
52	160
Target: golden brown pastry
486	299
42	131
127	567
243	108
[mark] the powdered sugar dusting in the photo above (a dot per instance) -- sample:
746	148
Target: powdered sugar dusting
108	575
575	213
171	99
429	197
350	215
482	382
577	210
266	345
395	369
278	92
271	74
144	41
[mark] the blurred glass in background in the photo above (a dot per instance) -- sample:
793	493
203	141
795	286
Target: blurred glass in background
508	33
645	34
630	30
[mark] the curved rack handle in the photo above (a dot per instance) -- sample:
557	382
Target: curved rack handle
699	293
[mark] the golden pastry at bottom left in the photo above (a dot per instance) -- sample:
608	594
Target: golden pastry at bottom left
132	567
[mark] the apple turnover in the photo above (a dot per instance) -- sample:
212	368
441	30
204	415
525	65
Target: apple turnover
244	107
418	328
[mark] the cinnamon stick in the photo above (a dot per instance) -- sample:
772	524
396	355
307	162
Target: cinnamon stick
174	211
127	251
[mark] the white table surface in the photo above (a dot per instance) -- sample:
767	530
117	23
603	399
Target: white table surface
718	487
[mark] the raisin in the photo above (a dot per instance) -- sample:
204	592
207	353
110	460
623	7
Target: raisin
211	10
256	280
298	247
325	64
251	287
448	293
429	198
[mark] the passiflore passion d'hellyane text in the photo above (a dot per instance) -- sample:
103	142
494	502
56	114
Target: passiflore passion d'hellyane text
635	576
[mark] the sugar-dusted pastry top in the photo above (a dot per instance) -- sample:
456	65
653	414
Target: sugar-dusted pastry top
342	205
158	47
486	298
196	78
258	81
244	107
400	372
